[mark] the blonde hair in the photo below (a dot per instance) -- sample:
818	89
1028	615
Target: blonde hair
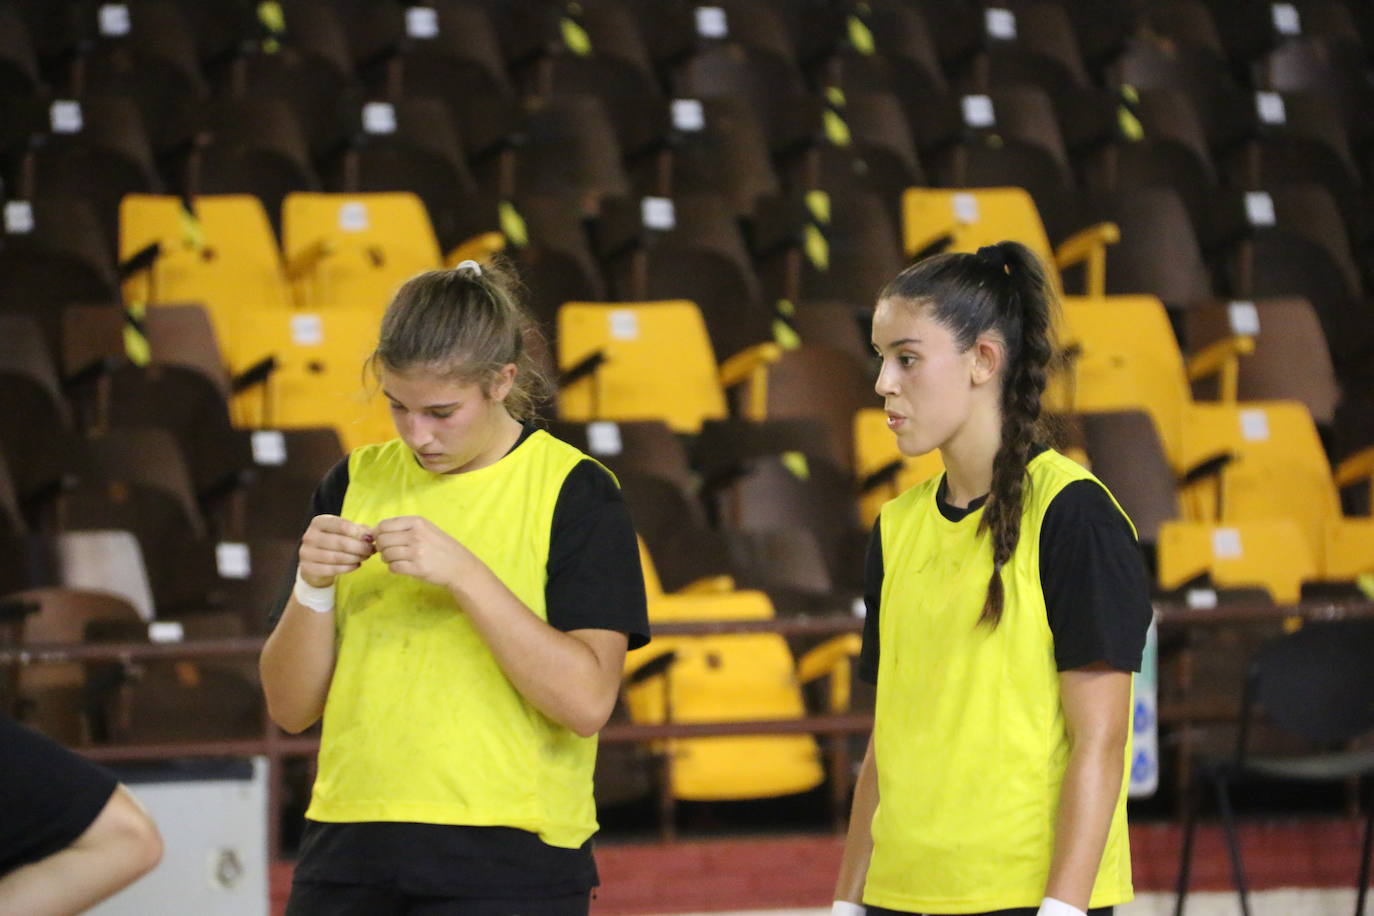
465	323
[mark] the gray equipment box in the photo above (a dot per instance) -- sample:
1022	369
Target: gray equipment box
213	819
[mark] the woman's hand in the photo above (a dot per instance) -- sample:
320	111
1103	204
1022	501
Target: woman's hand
331	547
416	547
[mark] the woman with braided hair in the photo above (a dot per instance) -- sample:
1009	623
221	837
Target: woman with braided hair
1007	607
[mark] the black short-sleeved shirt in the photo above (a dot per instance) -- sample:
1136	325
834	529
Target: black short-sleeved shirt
48	795
1097	594
594	582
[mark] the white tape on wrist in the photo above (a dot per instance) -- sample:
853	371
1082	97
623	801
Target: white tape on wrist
1051	907
319	600
846	908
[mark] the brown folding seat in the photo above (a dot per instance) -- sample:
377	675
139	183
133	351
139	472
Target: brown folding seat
95	150
1125	453
830	385
612	65
643	446
1021	145
1035	45
138	481
1170	151
723	152
288	465
842	326
829	246
36	430
1312	64
1307	253
782	492
248	146
1157	253
686	552
308	65
1300	138
54	251
11	516
412	145
23	94
770	80
875	151
555	256
699	255
106	559
66	700
1291	359
220	30
145	51
569	148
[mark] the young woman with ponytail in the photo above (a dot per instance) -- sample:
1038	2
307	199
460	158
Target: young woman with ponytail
1007	607
464	598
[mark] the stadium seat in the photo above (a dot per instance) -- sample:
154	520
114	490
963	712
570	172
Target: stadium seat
644	446
883	472
569	147
1125	453
829	385
726	154
1291	359
965	220
644	361
36	427
1272	555
53	251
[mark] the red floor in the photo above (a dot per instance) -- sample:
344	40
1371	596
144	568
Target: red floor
799	871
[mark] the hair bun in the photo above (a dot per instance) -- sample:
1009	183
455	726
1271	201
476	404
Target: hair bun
469	266
994	255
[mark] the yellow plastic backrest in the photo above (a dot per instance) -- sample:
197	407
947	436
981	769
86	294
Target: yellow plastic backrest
735	677
1273	554
373	243
659	363
1128	358
875	448
741	605
1280	470
974	217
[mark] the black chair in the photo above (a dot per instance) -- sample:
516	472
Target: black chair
1315	685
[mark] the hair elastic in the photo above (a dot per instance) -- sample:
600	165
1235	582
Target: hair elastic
995	256
469	266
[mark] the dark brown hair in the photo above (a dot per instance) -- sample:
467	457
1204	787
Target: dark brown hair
1002	288
465	323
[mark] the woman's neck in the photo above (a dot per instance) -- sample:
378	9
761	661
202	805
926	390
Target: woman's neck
969	455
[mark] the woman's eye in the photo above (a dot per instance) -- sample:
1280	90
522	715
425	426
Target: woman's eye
907	361
441	416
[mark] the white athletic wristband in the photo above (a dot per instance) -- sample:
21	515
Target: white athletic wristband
846	908
1051	907
319	600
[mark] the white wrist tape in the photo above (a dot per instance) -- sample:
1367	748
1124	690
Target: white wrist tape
319	600
1051	907
845	908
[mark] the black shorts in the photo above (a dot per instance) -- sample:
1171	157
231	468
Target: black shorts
49	795
324	898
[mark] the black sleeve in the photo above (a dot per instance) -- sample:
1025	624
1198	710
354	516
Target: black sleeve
594	577
1092	572
327	500
49	795
873	591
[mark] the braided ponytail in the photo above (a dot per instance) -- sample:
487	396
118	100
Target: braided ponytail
1023	382
1002	288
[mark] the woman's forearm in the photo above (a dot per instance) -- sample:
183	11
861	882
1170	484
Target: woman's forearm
858	842
572	679
297	665
1087	801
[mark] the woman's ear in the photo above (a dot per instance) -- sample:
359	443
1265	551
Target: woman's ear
989	353
503	382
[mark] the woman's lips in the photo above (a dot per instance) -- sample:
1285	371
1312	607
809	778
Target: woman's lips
894	420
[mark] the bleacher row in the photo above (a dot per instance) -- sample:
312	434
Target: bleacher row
206	207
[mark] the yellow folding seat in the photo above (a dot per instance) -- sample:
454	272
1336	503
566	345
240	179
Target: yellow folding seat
1278	469
355	249
884	472
651	361
738	677
1121	352
966	219
223	255
1270	554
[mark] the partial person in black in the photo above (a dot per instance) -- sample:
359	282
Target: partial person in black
70	834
